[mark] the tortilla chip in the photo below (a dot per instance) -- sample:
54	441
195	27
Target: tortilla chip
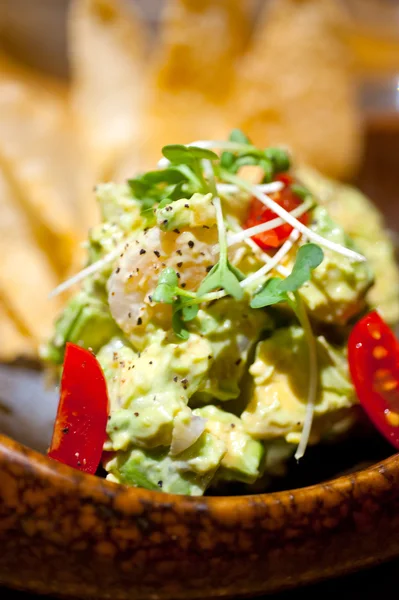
26	276
39	156
296	85
192	72
13	343
106	47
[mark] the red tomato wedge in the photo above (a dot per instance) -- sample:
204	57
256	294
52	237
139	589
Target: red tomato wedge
259	213
373	354
80	426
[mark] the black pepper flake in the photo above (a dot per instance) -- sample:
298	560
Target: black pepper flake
183	285
163	264
191	244
209	357
157	254
179	252
78	463
186	206
175	378
179	265
160	483
209	268
178	275
65	430
232	425
137	269
206	227
139	321
136	414
150	298
142	251
137	242
150	363
238	361
184	381
168	208
176	230
129	315
202	253
117	270
165	222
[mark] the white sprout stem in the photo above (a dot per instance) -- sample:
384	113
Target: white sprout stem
273	262
266	258
303	318
288	218
267	188
93	268
263	227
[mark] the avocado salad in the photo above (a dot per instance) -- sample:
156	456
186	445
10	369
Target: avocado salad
208	340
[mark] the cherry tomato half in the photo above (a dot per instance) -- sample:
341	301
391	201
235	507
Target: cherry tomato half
80	426
373	354
259	213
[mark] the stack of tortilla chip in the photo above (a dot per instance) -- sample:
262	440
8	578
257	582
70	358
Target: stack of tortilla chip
285	77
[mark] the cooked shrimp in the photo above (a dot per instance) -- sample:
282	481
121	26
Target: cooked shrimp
135	277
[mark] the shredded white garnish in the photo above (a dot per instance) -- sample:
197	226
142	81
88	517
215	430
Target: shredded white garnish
93	268
266	258
274	261
288	218
267	226
313	379
266	188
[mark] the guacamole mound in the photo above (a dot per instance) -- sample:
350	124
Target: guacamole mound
205	385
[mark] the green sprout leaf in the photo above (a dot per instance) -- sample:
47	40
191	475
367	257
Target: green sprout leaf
189	311
170	176
238	136
225	276
271	293
178	324
308	258
279	157
169	276
177	153
300	191
276	290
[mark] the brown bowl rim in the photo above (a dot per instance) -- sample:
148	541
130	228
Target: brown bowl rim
53	471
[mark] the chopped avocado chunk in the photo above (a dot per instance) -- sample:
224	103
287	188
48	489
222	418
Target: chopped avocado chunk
232	328
156	470
197	211
189	473
339	285
243	456
280	385
148	422
174	368
86	321
118	206
362	221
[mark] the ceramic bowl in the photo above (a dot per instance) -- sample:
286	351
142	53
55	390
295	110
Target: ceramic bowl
65	533
68	534
62	532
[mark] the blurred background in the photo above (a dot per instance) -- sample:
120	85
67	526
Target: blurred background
90	90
